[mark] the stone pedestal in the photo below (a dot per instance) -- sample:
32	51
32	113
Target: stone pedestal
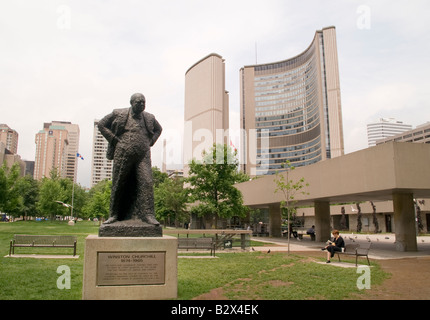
130	228
130	268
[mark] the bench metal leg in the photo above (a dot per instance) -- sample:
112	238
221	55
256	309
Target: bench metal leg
356	259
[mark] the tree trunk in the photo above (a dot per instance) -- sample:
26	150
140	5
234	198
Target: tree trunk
359	225
375	219
343	219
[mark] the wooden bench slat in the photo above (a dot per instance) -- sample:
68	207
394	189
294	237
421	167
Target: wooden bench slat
23	239
45	241
356	250
196	243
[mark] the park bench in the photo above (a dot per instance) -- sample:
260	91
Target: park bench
300	231
357	250
197	243
303	232
42	241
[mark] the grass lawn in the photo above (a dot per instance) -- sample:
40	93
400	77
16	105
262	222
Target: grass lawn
249	275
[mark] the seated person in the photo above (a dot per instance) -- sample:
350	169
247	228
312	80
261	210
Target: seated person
311	232
294	233
336	245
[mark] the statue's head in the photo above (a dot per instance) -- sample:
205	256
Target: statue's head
137	102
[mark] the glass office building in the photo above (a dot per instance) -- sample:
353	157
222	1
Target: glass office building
291	109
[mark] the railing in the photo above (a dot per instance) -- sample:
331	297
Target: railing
220	235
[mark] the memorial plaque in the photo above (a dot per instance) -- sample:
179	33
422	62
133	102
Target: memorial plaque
130	268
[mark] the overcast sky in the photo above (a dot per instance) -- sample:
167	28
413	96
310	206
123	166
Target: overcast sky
77	60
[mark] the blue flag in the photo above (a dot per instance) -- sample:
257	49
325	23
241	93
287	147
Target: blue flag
79	156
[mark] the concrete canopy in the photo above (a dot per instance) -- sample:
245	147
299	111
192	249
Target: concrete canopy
378	173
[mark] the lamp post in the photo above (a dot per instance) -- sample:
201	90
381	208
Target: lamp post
73	196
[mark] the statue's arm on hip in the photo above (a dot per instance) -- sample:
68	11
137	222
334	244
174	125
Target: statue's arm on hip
157	132
105	128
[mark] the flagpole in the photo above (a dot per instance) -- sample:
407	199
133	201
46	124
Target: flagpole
78	155
73	195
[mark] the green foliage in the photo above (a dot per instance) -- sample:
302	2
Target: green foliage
97	205
18	195
212	184
28	189
158	177
56	189
79	201
256	216
50	192
24	196
289	189
10	199
170	199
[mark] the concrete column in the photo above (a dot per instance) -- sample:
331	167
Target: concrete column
322	221
404	222
275	220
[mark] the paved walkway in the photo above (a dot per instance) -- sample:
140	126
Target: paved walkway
383	245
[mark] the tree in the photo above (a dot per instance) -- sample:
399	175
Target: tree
212	184
170	199
55	190
359	224
418	211
289	189
50	192
343	219
375	218
80	198
158	176
98	200
10	198
24	196
28	189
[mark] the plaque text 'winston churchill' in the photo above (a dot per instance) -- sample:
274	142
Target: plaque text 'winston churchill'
130	268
